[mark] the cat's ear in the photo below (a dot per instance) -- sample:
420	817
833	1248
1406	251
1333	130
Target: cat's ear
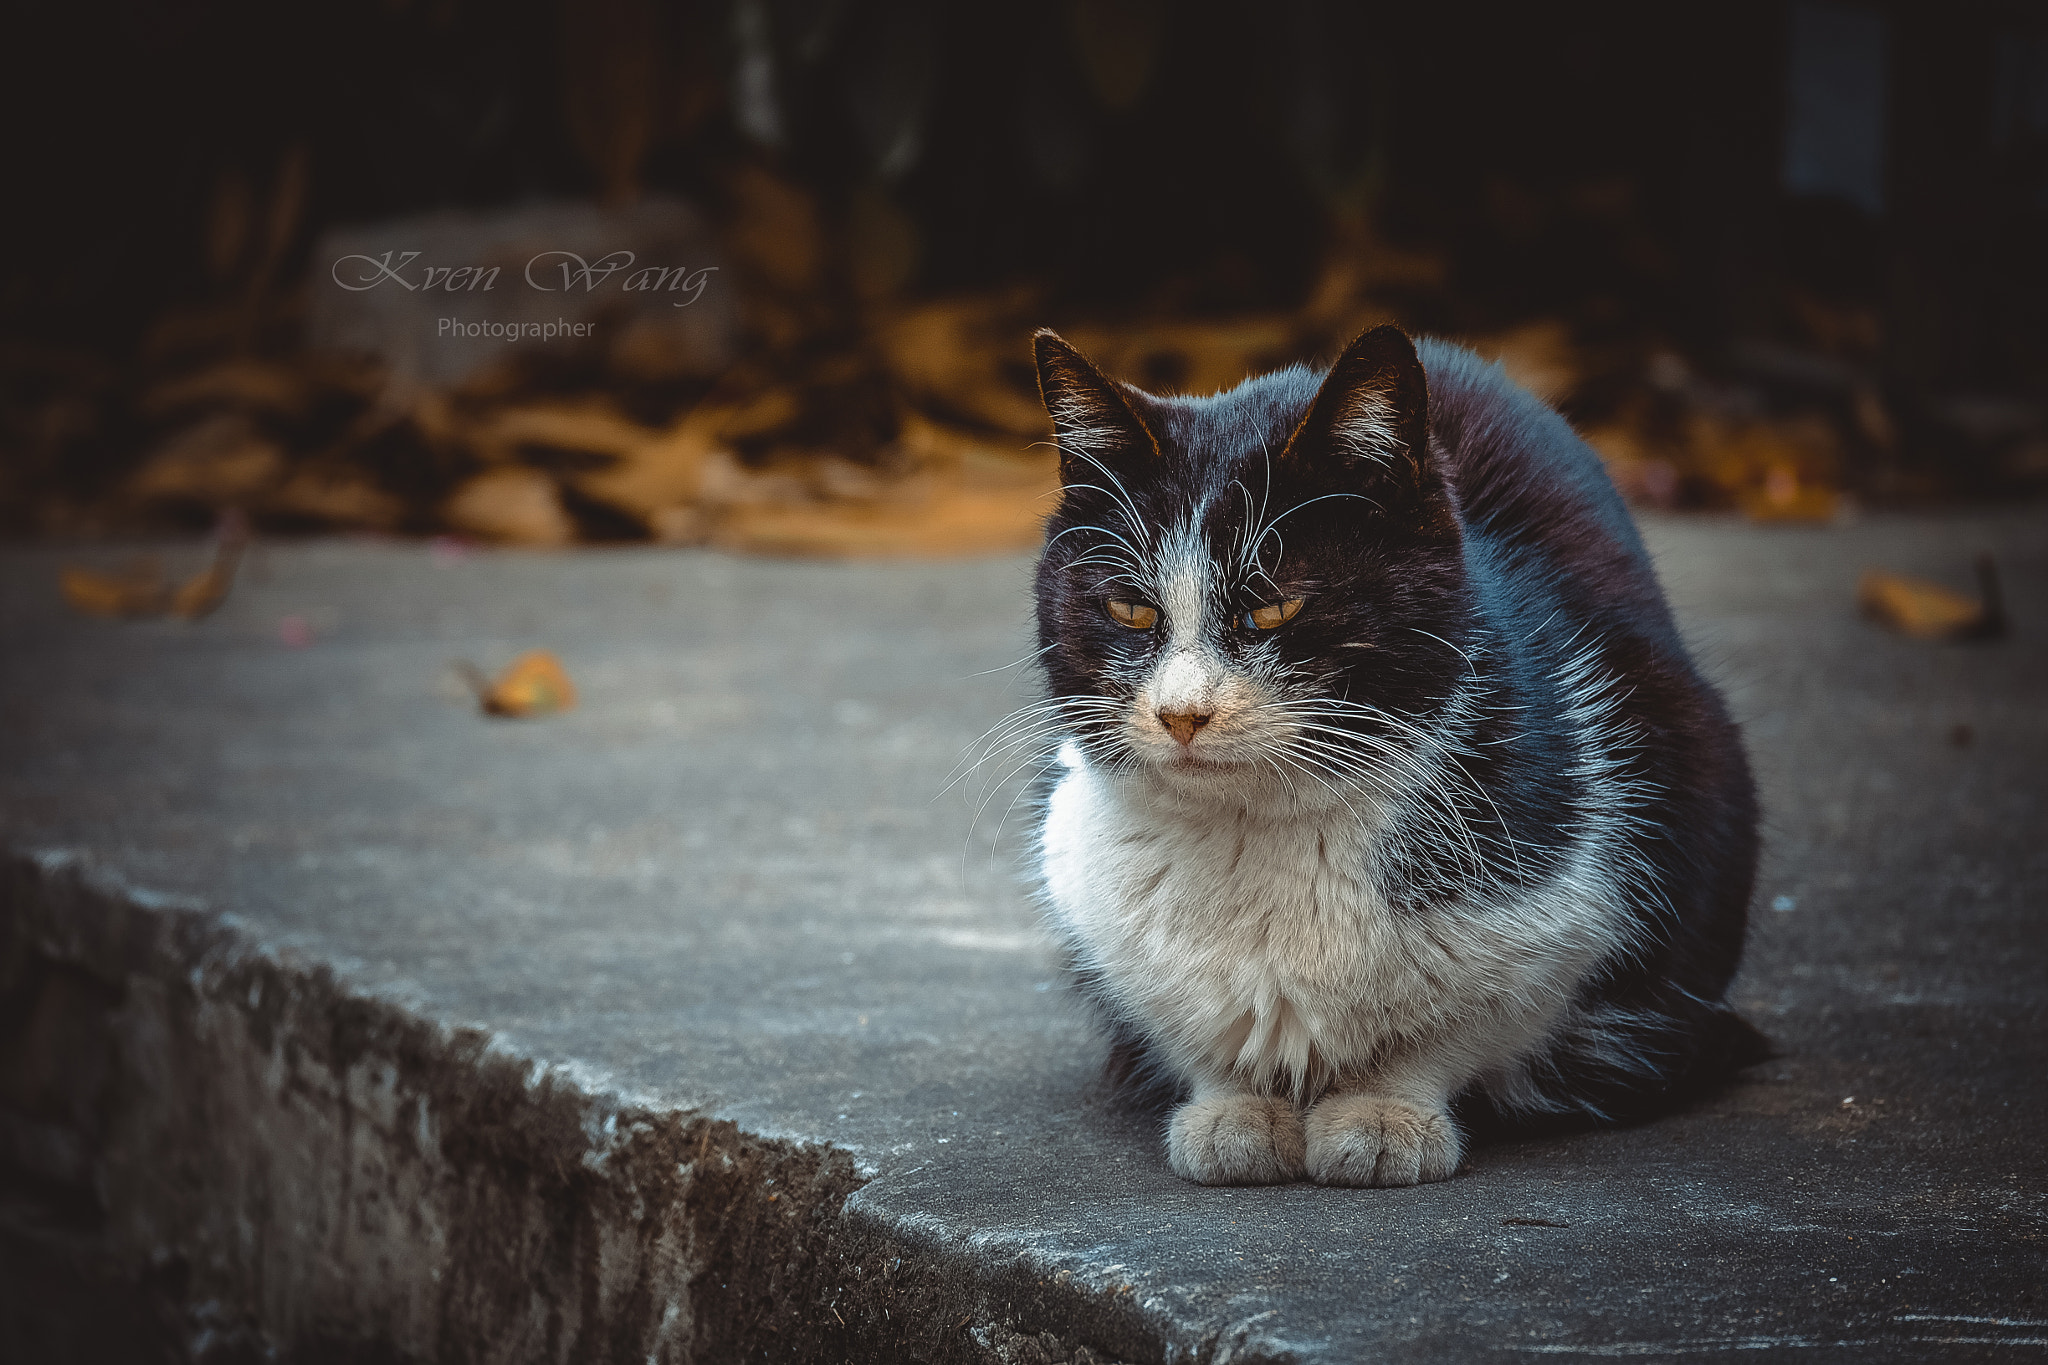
1093	421
1369	422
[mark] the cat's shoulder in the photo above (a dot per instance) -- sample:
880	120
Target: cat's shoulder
1519	468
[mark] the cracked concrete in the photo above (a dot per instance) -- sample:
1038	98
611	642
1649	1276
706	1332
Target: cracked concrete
706	1022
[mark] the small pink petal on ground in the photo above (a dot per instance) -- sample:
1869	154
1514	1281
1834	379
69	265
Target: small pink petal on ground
447	550
295	632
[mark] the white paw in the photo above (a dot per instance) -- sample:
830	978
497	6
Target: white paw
1373	1140
1236	1140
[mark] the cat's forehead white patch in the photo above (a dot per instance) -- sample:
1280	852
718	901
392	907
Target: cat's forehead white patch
1190	670
1184	578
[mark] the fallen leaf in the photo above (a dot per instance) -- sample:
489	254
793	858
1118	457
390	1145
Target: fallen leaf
224	458
1783	496
138	590
241	384
1929	611
518	506
594	427
335	496
535	685
200	594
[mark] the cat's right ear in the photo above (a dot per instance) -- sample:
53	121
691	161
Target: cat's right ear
1093	422
1369	422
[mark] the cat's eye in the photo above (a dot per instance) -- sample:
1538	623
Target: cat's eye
1136	615
1271	615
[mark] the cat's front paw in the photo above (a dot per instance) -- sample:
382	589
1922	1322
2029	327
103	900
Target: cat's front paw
1373	1140
1236	1140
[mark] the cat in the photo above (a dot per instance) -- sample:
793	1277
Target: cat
1386	798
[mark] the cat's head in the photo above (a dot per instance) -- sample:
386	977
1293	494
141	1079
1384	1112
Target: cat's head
1265	582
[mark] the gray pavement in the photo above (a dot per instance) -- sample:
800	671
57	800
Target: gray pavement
734	885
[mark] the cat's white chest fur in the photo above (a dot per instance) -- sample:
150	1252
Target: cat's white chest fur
1245	941
1252	943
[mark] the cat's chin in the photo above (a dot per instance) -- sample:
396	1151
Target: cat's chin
1184	766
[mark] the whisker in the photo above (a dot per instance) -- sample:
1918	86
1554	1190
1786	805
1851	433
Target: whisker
1018	662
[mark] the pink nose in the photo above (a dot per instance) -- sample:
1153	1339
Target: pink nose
1183	724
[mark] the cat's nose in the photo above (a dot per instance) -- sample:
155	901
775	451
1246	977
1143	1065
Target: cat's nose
1183	724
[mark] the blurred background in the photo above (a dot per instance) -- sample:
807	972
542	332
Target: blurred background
1785	258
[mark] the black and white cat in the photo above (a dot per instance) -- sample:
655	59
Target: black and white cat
1383	779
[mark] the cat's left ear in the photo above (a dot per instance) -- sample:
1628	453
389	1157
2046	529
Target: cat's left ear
1370	420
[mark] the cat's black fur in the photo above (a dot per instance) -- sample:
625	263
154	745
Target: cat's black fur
1478	544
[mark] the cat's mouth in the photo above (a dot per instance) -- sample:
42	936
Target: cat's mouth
1189	759
1209	752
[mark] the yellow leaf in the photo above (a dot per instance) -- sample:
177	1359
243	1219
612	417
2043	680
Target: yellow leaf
139	591
200	594
535	685
1928	611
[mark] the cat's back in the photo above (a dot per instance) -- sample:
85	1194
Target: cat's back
1530	490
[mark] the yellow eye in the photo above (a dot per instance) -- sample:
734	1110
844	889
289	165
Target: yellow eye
1136	615
1278	614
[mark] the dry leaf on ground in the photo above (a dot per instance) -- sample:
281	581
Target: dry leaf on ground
1929	611
198	595
535	685
137	590
517	506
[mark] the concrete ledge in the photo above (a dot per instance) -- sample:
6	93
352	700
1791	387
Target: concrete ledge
337	1022
309	1169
